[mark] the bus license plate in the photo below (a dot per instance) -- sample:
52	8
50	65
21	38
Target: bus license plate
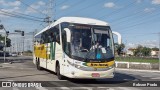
95	75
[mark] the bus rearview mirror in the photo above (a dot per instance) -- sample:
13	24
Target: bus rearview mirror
68	34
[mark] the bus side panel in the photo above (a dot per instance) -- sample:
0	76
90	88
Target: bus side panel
51	62
41	54
59	56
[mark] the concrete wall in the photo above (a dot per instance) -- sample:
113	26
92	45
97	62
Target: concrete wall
136	65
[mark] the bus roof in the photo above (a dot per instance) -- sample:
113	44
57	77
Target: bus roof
79	20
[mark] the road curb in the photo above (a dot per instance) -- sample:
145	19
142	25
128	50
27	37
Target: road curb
137	70
6	65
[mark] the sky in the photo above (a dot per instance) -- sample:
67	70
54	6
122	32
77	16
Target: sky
138	21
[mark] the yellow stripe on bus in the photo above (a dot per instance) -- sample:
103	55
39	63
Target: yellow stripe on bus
40	51
101	65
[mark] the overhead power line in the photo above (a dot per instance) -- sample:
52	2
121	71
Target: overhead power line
22	17
147	21
58	4
18	16
129	15
146	34
143	19
89	6
75	5
97	11
119	10
141	16
32	8
27	15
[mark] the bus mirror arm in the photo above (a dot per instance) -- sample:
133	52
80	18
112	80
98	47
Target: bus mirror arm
119	37
68	34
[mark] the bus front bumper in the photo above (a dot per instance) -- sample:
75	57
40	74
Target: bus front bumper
77	73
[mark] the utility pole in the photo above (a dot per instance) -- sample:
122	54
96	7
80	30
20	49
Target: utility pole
49	11
5	47
159	50
23	43
33	40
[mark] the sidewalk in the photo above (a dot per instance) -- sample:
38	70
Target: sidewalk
17	65
15	59
6	65
15	62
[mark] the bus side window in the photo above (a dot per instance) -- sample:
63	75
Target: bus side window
57	38
42	41
56	29
52	37
65	43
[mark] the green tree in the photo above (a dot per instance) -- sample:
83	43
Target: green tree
138	50
142	51
8	41
155	49
146	51
119	48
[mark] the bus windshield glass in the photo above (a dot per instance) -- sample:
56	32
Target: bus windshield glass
91	42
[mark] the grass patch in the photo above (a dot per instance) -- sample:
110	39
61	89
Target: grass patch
137	59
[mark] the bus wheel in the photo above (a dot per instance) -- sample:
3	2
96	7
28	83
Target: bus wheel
60	77
38	65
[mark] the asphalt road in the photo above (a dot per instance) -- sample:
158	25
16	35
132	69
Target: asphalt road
22	69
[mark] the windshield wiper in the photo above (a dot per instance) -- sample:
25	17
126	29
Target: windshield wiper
86	56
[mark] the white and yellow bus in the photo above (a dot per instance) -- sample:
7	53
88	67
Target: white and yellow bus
76	47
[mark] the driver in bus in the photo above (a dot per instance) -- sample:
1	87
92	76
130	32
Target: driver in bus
97	45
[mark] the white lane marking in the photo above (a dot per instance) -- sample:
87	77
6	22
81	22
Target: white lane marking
58	80
59	86
156	78
70	88
105	88
80	87
88	88
137	70
127	88
66	88
41	88
150	76
146	76
15	88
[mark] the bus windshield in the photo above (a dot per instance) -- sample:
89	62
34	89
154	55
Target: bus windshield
91	42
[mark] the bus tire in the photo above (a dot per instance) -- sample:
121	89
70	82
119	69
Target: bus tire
38	65
60	77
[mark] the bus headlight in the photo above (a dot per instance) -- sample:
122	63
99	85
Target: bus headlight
110	67
70	63
75	65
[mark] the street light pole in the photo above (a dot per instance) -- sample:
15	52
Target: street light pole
5	46
159	50
23	44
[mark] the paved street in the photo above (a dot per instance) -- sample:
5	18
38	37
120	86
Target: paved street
22	69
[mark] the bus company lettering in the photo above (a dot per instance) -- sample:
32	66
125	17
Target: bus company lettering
99	64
